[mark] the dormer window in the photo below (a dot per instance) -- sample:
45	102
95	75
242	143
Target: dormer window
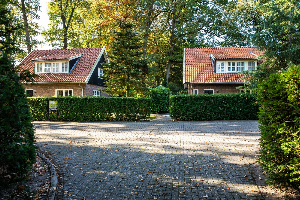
52	67
234	66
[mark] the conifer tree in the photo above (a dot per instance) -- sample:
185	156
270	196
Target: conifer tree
126	72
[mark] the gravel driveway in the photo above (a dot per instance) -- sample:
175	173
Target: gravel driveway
157	159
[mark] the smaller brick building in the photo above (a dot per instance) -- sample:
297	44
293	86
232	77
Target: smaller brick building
66	72
216	69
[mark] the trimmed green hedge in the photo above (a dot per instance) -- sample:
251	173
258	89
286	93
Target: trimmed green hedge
239	106
279	118
160	99
91	109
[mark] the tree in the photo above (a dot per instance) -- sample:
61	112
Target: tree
17	150
279	33
64	15
126	71
26	11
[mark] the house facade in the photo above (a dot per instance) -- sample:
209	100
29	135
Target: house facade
211	70
66	72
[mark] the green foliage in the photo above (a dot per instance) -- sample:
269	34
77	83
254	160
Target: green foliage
279	118
160	99
92	109
278	33
126	71
239	106
17	150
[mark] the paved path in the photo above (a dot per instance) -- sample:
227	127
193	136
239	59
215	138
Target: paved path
159	159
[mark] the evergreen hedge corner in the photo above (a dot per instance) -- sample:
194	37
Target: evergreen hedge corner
279	118
160	99
205	107
17	146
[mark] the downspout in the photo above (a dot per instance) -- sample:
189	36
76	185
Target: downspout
81	89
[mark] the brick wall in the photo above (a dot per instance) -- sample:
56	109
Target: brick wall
218	88
48	90
90	88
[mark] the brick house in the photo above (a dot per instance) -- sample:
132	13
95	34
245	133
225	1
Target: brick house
66	72
216	69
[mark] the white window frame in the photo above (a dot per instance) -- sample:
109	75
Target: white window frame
209	90
231	67
240	66
51	67
39	67
96	93
100	72
235	66
195	91
220	67
64	92
47	68
251	65
64	67
55	68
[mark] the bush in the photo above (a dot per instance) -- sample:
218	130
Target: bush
239	106
279	118
17	150
160	99
91	109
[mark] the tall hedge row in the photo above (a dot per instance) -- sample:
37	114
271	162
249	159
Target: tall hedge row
91	109
279	118
240	106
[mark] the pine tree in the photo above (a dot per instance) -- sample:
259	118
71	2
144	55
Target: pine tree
126	72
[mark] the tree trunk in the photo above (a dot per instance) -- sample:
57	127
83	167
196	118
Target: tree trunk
28	42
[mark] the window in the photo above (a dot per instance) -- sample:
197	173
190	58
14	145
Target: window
251	66
47	67
39	67
64	92
96	93
100	72
240	66
55	67
29	93
195	91
208	91
231	66
220	67
64	67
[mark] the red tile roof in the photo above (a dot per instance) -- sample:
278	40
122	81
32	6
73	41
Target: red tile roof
198	63
81	71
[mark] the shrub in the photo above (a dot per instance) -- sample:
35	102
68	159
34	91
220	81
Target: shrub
239	106
91	109
17	150
279	118
160	99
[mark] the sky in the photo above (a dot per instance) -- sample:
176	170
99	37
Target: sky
43	23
